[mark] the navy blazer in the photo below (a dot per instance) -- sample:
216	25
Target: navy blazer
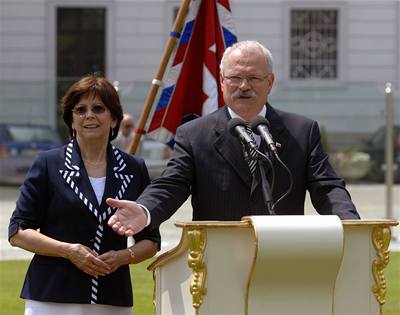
58	199
208	163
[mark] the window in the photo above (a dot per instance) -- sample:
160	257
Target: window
80	45
80	41
313	44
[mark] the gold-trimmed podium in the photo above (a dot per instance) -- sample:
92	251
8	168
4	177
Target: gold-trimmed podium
275	265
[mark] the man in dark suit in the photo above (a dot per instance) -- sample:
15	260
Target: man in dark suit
208	162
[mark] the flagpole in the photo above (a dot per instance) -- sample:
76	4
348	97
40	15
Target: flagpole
174	35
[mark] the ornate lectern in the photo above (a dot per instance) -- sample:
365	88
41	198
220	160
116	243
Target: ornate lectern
275	265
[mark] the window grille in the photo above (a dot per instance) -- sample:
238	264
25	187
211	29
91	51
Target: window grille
313	44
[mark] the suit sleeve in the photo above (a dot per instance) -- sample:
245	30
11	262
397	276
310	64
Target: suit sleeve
169	191
32	202
327	190
147	233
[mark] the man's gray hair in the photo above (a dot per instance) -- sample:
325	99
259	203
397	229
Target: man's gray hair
247	44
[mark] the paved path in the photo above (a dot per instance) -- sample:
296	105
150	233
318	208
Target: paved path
369	199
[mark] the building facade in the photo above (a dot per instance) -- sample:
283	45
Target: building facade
331	58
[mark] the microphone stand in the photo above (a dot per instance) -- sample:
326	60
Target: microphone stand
265	186
260	126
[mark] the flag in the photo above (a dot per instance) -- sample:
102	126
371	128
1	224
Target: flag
192	87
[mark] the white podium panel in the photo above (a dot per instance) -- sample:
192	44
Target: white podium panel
275	265
298	259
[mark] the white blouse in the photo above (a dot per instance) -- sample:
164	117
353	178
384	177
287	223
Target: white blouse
98	184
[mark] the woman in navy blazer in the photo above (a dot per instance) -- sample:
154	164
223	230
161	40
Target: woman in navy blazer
80	265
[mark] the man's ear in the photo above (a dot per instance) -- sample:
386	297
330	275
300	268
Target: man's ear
221	79
270	80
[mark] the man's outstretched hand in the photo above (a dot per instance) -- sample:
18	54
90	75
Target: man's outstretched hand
129	218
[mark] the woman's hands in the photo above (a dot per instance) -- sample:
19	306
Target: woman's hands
87	260
114	259
81	256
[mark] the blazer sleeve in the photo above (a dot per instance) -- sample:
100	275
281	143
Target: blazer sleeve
327	190
32	202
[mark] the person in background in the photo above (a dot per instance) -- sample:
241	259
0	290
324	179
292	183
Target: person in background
208	162
80	265
125	134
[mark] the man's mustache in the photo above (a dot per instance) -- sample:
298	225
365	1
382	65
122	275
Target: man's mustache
240	93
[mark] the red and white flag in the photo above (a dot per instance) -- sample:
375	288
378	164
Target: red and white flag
192	88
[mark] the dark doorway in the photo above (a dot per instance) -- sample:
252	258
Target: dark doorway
81	47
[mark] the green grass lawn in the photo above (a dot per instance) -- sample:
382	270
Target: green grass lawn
12	275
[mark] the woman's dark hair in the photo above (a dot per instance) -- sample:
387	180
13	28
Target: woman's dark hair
92	86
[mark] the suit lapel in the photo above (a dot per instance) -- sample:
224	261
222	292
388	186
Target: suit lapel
76	178
117	181
230	147
113	183
118	175
279	135
277	129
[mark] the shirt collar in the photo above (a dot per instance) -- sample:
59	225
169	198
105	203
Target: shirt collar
262	113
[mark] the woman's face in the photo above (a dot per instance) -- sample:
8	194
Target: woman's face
92	120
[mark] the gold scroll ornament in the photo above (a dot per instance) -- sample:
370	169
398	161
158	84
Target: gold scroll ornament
197	244
381	240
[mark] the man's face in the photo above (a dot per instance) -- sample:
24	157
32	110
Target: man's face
247	96
127	126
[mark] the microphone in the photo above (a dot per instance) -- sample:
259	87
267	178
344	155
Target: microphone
237	128
260	125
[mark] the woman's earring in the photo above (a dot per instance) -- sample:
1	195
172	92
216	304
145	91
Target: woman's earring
111	132
73	133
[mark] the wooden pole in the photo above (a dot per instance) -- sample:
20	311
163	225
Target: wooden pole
177	28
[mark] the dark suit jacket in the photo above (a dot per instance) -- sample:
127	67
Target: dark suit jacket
208	163
58	199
